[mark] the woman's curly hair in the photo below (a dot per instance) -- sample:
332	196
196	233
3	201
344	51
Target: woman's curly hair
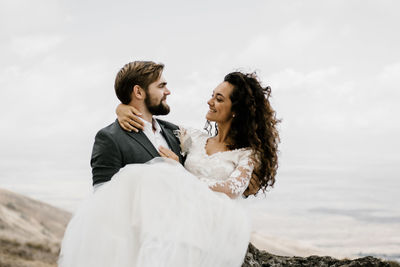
254	125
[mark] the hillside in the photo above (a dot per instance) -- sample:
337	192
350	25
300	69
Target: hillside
30	231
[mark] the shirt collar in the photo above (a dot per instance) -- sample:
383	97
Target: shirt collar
149	127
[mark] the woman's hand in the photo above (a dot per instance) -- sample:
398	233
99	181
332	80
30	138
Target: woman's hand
167	153
128	118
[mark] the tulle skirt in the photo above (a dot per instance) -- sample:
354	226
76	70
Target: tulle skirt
156	214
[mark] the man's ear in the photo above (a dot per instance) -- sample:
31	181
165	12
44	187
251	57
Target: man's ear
138	92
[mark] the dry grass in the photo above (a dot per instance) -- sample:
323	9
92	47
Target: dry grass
30	231
16	254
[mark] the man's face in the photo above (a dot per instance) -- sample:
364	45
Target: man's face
156	97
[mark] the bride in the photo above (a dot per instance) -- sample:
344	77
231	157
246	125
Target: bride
167	215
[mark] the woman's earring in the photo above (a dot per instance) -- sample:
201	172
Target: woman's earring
233	116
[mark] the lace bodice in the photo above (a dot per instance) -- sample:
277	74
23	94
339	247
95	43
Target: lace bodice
228	171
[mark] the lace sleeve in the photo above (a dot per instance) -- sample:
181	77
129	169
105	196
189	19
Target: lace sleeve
239	179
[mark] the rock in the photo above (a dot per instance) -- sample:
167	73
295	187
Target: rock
258	258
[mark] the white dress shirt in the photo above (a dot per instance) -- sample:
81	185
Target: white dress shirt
155	136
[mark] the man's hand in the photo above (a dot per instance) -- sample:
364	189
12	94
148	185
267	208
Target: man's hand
167	153
128	118
253	188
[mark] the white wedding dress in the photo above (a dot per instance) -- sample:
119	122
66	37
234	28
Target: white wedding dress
162	214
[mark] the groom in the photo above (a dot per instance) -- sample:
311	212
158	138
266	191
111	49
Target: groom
141	85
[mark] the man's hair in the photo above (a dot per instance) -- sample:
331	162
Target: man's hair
141	73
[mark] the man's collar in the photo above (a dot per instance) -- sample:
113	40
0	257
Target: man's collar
151	127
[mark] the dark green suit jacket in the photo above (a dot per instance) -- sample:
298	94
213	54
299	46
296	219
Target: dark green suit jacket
114	148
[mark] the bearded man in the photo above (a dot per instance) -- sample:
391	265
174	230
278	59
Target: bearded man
141	85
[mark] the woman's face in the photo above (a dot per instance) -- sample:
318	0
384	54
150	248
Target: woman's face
220	104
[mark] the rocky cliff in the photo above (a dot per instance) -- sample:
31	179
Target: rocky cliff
258	258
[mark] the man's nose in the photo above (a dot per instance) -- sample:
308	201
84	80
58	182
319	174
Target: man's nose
167	91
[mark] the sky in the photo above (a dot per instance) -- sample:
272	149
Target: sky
333	66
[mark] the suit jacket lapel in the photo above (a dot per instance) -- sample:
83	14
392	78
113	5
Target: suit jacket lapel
171	139
142	139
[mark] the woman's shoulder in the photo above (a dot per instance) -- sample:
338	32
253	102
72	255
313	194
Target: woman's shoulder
239	156
188	132
242	153
189	136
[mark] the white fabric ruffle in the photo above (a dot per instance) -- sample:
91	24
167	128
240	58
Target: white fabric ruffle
156	214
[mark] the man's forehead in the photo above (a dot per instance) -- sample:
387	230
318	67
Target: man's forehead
161	79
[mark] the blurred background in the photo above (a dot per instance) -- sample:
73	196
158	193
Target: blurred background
334	69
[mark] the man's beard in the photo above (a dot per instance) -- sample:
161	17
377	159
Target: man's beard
156	109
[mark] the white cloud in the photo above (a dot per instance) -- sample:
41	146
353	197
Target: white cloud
325	101
389	78
297	35
290	79
24	17
35	45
